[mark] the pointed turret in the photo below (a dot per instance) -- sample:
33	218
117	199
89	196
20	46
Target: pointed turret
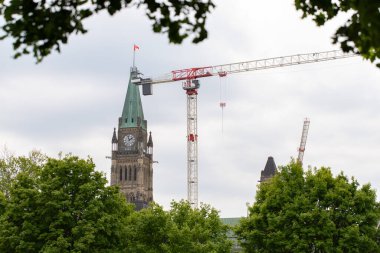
133	115
269	170
114	140
150	141
150	144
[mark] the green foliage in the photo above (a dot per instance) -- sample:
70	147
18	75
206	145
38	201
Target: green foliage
197	230
66	207
182	229
39	27
11	165
311	211
148	230
3	202
63	205
360	33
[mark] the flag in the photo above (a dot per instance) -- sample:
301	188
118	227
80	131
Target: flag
135	47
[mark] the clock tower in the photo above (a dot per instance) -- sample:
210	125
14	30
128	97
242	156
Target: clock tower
132	151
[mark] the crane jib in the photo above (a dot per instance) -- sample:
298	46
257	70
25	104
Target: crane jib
191	85
192	73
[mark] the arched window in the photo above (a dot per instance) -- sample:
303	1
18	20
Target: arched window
130	173
125	173
135	173
121	174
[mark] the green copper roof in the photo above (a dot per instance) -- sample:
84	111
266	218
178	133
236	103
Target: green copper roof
231	221
133	115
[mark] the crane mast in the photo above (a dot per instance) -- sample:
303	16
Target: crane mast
301	149
190	84
192	146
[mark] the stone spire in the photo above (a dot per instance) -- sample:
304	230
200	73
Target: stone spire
269	170
150	145
114	138
114	142
133	115
150	141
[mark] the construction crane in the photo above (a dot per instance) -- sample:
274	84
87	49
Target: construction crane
190	84
301	149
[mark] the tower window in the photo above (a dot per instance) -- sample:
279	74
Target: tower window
132	120
121	174
135	174
125	173
130	173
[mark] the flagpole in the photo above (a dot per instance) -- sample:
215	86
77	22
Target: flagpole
134	52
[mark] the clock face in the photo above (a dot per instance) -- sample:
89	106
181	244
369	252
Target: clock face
129	140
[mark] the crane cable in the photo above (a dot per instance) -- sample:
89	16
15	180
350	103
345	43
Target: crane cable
222	97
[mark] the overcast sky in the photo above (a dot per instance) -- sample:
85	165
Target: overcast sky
71	101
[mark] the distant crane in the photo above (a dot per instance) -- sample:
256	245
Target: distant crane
301	149
190	84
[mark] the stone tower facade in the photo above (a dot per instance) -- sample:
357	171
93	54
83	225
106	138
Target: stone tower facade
132	151
269	170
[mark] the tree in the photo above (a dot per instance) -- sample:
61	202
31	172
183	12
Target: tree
65	208
39	27
180	230
311	211
3	202
360	34
10	166
197	230
148	230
